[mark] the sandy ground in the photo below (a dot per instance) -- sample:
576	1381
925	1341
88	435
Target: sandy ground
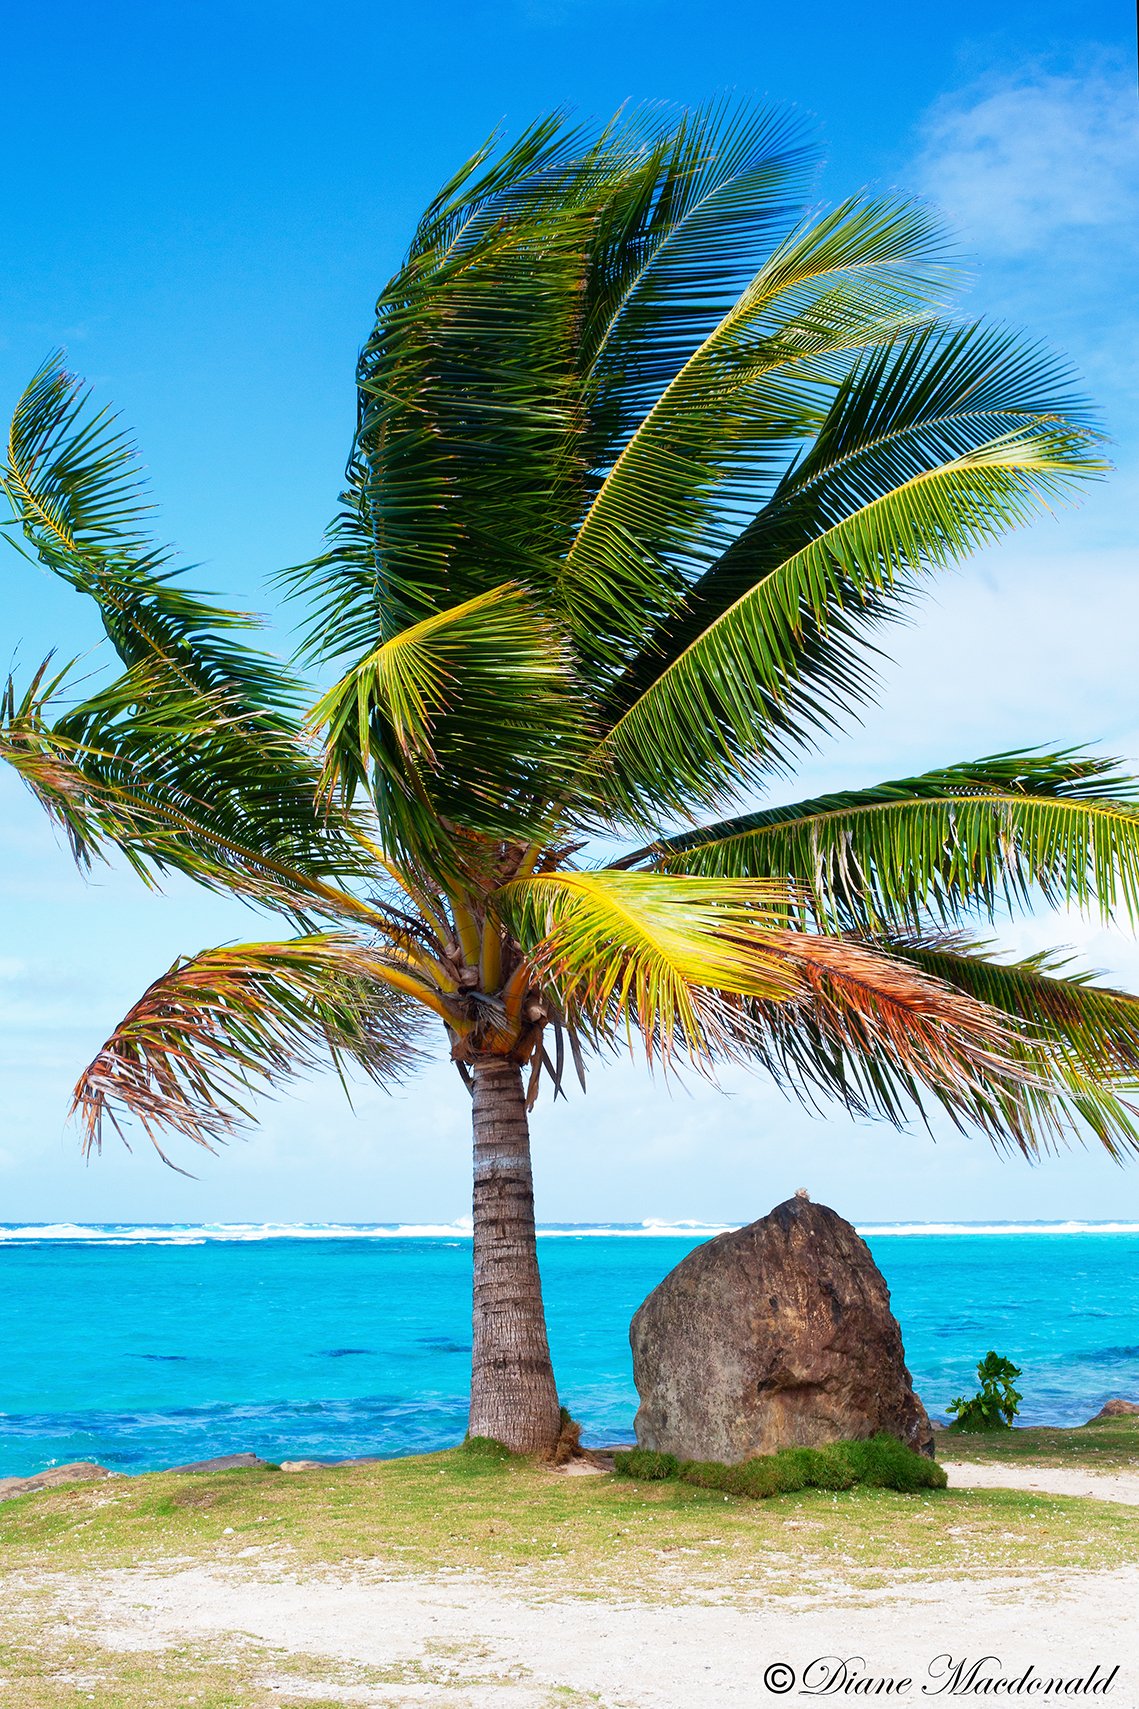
1049	1480
466	1642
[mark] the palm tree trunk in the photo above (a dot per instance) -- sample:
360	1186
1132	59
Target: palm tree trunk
513	1395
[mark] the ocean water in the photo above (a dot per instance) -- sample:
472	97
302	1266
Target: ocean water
147	1347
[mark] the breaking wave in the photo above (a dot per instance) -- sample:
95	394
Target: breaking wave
197	1234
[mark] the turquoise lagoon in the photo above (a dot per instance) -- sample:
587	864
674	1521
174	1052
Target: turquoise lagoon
147	1347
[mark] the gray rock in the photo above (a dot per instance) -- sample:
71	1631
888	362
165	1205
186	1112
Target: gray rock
76	1471
776	1335
224	1463
1116	1409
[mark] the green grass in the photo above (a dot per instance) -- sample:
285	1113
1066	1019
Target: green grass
880	1463
577	1535
1112	1445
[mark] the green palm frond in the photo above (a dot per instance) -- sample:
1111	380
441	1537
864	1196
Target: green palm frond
677	241
74	484
932	446
197	721
721	433
942	390
221	1026
467	720
514	348
72	476
91	817
963	840
145	788
467	468
699	730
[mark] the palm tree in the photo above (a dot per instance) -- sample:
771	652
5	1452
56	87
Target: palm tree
645	458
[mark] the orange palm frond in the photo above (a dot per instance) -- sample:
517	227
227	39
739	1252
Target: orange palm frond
220	1025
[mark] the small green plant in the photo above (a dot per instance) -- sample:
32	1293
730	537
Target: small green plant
882	1463
995	1404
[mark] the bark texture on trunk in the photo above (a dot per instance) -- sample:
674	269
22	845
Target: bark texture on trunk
513	1395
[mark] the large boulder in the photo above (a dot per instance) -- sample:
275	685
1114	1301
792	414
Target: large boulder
777	1335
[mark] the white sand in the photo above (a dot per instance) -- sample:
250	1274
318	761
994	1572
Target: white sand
1049	1480
470	1644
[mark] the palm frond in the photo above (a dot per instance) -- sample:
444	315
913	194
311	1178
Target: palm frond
662	955
91	817
221	1026
718	438
896	482
516	348
153	784
787	656
145	789
706	971
872	1030
963	840
75	487
467	466
1079	1040
465	721
204	725
678	240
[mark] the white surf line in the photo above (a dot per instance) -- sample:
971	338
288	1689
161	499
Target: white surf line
1048	1480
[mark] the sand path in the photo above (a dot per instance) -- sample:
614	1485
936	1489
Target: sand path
470	1643
1049	1480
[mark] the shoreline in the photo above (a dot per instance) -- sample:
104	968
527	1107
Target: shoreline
233	1458
984	1452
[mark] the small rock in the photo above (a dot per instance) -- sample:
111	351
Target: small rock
302	1465
1116	1409
77	1471
224	1463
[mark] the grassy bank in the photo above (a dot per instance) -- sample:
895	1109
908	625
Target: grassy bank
461	1511
1112	1445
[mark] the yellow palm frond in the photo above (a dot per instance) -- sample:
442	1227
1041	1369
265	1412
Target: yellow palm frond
653	953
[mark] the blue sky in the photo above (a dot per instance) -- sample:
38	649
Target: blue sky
202	204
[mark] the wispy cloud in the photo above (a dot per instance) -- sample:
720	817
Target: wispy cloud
1019	163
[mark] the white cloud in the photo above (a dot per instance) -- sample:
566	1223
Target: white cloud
1017	164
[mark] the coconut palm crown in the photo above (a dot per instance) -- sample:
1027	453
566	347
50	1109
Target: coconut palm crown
645	458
